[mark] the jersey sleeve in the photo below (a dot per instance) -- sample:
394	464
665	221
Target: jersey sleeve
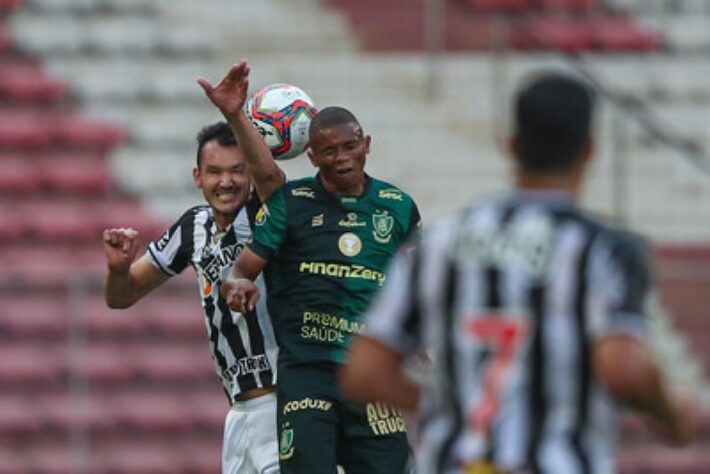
415	222
394	318
171	253
269	226
621	287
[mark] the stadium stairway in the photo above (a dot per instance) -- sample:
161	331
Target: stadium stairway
436	125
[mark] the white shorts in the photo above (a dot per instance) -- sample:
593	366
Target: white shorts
250	441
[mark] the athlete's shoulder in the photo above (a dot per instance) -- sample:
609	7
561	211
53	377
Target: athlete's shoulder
386	191
300	188
190	214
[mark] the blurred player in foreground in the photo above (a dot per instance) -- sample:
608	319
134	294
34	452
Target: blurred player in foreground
533	312
324	243
209	237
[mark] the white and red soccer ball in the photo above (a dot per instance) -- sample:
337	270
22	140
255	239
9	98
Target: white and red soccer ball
282	113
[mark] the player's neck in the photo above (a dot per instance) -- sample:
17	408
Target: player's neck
222	221
564	181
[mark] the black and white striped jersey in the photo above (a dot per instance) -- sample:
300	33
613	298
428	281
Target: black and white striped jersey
507	299
243	346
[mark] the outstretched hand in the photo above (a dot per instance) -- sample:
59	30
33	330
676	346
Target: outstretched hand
241	294
121	247
230	94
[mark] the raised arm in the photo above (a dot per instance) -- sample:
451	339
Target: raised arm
127	280
229	96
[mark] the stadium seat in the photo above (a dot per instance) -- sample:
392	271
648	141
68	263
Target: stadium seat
24	130
18	175
18	418
621	34
12	224
543	33
71	175
149	457
78	132
566	5
67	412
100	365
51	265
24	367
104	322
28	84
209	409
154	413
172	364
25	317
60	221
490	6
175	316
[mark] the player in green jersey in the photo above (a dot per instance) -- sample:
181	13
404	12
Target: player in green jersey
324	244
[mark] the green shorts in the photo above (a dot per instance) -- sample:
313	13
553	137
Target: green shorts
318	429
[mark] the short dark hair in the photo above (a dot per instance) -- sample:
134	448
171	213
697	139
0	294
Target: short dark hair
219	131
330	117
553	119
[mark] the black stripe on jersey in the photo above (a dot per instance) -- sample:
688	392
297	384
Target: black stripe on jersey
214	337
256	339
457	417
584	371
231	333
187	231
537	405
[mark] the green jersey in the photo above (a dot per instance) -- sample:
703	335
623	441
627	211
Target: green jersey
327	256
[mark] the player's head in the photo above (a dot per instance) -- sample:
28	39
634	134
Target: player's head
553	121
338	147
221	171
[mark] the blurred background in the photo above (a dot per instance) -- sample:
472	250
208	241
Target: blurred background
98	113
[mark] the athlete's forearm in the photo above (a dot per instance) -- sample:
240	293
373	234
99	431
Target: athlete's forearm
265	173
119	290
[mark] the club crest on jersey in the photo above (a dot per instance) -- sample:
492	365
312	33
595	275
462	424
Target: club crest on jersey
286	448
349	244
261	215
383	224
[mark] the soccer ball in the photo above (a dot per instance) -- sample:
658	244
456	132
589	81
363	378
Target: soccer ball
282	114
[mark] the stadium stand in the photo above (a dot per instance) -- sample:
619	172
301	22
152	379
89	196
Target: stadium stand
134	391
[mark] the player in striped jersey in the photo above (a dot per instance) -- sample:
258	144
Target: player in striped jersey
209	237
533	313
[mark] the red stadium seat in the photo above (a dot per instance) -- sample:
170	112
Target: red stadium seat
208	410
23	84
75	131
5	38
18	418
18	175
51	265
173	364
12	224
67	174
145	458
61	221
152	413
566	5
100	365
102	321
24	130
621	34
488	6
172	316
62	414
559	34
24	367
25	317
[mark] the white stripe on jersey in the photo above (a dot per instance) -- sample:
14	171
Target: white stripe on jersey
243	347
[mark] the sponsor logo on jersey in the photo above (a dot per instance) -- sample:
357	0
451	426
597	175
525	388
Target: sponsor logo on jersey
343	271
307	403
286	448
303	191
211	268
247	365
351	221
390	193
349	244
383	224
384	419
317	220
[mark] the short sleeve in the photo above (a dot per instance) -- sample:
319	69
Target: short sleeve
171	253
622	285
269	226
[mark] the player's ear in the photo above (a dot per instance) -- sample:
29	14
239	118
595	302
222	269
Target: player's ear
311	156
368	140
513	148
197	177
